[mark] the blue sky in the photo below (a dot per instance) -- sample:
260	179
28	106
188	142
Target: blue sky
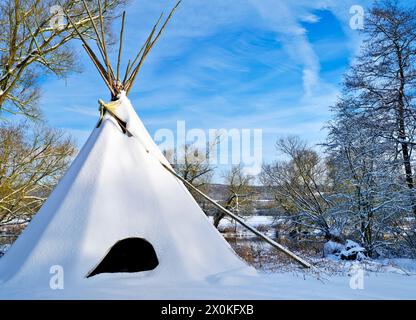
270	64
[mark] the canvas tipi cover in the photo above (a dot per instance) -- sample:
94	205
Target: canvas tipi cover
117	189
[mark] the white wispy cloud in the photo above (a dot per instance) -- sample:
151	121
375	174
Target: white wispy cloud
310	18
285	19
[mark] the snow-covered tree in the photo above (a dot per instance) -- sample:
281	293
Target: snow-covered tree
368	188
371	139
302	188
381	85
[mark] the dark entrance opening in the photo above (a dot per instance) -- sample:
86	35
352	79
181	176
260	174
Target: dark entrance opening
128	255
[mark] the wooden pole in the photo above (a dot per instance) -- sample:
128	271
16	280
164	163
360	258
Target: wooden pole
120	50
102	27
99	42
148	46
90	52
240	221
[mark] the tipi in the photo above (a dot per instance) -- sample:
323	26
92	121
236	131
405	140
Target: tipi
117	209
121	208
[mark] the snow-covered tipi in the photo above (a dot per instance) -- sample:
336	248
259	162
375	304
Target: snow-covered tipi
117	209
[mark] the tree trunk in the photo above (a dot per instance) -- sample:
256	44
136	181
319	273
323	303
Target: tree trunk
217	218
219	215
402	131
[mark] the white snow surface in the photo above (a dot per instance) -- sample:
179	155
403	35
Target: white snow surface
229	286
254	221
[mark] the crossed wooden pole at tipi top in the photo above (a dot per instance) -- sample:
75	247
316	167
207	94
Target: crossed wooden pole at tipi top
117	86
114	81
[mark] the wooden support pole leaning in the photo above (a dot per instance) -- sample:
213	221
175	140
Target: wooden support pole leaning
240	221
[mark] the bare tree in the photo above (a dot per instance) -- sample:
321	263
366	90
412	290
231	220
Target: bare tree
30	166
192	164
239	195
34	40
368	190
302	188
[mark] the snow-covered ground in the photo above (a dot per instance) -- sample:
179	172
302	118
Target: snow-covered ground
337	279
253	221
286	285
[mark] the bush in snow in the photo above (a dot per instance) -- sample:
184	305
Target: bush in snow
3	249
333	248
349	251
352	251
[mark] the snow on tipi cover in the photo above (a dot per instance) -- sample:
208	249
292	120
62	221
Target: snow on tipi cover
117	189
